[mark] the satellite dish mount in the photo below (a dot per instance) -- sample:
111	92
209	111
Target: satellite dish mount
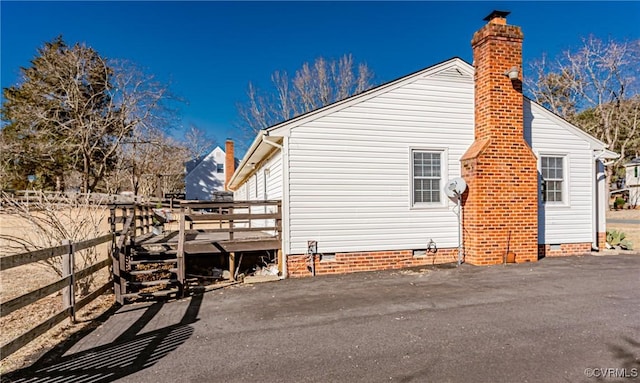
454	189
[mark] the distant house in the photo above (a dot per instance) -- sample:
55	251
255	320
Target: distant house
632	181
208	175
364	177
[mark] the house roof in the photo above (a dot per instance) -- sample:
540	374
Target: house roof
192	165
266	142
633	162
260	151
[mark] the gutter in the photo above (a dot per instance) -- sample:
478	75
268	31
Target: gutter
261	137
254	146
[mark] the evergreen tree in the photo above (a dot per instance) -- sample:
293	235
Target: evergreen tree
61	118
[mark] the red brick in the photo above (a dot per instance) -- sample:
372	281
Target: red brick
501	203
367	261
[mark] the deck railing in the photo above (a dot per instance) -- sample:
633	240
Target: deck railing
238	218
234	217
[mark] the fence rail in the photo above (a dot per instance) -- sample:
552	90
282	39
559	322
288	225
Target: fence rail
65	284
33	196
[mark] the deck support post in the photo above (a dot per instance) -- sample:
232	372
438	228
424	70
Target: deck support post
232	266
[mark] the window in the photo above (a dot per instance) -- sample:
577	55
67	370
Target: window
552	169
220	168
427	173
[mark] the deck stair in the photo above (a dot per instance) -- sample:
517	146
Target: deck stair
150	266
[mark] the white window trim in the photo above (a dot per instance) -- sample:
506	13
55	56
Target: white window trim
566	181
444	173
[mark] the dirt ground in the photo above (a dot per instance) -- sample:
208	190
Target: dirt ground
23	279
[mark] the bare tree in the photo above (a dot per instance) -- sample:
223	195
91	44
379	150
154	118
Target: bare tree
595	87
313	86
149	162
198	142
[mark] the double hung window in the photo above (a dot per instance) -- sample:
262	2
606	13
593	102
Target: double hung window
427	177
553	179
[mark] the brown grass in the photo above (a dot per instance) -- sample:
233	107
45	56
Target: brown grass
23	279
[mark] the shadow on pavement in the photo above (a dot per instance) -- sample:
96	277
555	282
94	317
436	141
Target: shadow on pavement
628	353
128	354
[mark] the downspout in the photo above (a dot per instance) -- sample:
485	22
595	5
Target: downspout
286	232
600	195
595	202
265	134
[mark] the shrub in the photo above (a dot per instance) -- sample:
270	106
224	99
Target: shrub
616	238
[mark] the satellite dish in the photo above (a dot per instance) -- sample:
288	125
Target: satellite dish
455	187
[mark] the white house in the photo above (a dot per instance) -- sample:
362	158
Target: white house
209	174
632	181
364	176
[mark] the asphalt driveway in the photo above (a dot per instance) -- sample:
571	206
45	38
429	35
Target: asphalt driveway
573	319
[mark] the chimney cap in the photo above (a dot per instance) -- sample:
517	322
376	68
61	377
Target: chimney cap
495	14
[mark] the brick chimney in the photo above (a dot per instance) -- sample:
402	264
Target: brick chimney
229	163
501	204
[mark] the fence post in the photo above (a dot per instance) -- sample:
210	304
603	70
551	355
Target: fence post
68	270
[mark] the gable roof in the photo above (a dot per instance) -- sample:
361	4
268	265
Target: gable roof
260	151
191	166
453	63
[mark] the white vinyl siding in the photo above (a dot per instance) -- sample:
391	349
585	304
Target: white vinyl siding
569	221
274	177
265	183
350	171
269	186
241	193
253	190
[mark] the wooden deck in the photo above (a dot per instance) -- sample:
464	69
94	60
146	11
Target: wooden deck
216	229
202	242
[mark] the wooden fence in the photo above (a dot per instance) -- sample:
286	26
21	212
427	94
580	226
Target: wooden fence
34	196
131	224
66	285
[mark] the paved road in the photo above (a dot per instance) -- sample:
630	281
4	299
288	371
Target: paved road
625	221
542	322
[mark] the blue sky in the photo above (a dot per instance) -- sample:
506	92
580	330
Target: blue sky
209	51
